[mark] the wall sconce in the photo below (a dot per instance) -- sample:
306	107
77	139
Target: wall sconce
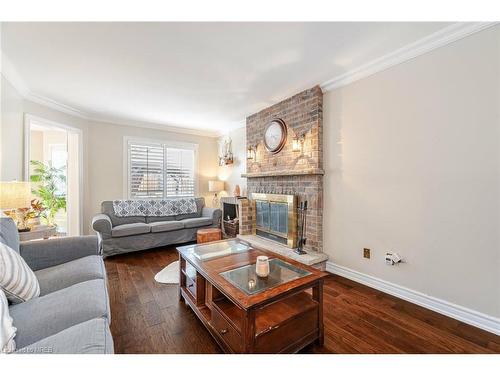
251	153
298	143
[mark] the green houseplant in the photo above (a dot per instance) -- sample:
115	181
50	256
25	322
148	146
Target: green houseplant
47	179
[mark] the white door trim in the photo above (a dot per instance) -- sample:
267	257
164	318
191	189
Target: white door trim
28	119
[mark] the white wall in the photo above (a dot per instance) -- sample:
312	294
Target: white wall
11	142
412	159
231	174
106	158
102	150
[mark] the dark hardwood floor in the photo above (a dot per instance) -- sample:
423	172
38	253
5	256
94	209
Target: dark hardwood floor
147	317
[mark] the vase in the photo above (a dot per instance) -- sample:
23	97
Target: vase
237	191
33	222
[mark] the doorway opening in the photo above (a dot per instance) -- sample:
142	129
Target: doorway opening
53	164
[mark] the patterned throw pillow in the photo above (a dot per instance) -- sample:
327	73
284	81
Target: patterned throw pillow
7	330
17	280
154	207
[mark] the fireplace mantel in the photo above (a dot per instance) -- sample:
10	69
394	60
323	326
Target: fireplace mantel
309	172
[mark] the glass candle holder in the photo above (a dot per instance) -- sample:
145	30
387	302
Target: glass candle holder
262	266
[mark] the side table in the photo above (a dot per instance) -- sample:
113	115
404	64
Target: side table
208	235
38	233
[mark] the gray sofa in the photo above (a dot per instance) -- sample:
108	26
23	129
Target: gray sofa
72	313
120	235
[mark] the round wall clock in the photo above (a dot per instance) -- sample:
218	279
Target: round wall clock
275	136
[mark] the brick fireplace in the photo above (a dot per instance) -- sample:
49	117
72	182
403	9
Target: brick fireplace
289	172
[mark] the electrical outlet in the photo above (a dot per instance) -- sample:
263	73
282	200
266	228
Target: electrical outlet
366	253
392	259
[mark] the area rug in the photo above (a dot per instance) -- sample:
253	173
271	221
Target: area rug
169	275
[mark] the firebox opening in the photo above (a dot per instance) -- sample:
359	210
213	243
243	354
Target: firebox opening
275	217
229	210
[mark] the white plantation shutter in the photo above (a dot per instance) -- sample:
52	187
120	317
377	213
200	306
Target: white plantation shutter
159	171
179	172
146	170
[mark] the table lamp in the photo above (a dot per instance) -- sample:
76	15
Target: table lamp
215	187
14	197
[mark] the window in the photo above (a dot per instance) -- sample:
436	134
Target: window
160	170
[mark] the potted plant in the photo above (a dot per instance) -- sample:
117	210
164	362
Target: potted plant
48	179
33	215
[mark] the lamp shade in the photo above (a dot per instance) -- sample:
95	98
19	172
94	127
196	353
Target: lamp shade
215	186
15	195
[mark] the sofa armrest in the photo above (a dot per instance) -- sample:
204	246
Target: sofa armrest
101	223
213	213
48	253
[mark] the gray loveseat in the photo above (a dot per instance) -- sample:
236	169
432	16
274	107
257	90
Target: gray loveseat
126	234
72	314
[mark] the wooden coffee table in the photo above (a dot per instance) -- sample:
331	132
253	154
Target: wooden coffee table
282	313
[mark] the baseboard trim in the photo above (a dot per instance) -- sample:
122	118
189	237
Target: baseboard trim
463	314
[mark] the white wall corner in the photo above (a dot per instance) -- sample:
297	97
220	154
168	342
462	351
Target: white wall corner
435	40
461	313
234	126
9	72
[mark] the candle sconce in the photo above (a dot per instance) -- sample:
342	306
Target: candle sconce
252	153
298	143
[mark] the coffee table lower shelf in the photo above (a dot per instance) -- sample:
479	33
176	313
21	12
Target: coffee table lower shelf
280	325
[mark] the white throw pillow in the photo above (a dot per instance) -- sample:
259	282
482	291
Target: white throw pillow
7	330
17	280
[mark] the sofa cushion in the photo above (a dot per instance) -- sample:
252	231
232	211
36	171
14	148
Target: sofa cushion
70	273
107	208
17	279
166	226
8	232
130	229
155	219
90	337
197	222
45	316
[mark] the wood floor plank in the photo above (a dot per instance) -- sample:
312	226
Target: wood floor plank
147	317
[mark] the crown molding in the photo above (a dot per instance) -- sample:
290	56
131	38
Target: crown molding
43	100
429	43
438	39
116	120
10	73
149	125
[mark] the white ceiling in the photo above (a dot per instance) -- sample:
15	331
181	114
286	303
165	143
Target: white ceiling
207	76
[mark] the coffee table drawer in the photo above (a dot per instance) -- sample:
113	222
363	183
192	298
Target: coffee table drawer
282	337
226	331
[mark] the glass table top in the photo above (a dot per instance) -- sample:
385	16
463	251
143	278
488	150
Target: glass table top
280	272
219	249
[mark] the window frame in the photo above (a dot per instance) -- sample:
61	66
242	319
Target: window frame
127	140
